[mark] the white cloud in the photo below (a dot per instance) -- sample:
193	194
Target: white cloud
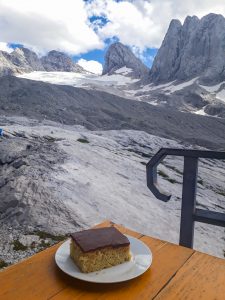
143	23
5	47
91	65
48	24
43	25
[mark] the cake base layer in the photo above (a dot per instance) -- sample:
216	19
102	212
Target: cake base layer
98	259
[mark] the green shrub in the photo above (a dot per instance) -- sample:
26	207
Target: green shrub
82	140
3	264
220	192
200	181
165	176
17	246
45	235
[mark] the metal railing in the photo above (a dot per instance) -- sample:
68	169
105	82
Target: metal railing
189	212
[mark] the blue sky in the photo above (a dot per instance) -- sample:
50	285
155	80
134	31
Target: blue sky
98	55
84	29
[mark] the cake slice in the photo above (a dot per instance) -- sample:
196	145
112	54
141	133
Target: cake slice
96	249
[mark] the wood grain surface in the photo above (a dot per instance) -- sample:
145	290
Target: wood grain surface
176	273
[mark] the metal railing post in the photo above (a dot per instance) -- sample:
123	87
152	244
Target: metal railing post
189	213
188	201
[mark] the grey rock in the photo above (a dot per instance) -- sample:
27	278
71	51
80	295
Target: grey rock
18	59
101	110
118	56
25	187
59	61
193	49
74	192
23	60
6	66
216	109
19	163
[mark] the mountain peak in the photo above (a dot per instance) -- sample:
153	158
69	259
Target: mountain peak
174	24
194	49
23	60
59	61
119	56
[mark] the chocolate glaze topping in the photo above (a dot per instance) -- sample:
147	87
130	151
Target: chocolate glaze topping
94	239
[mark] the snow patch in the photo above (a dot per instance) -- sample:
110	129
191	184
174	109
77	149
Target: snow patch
79	80
213	88
221	95
169	87
173	88
124	71
201	112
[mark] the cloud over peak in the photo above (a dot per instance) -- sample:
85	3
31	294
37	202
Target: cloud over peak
78	26
143	23
48	24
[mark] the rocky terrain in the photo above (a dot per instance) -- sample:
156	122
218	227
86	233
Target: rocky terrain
194	49
74	148
183	76
58	178
6	66
119	56
59	61
192	53
97	110
23	60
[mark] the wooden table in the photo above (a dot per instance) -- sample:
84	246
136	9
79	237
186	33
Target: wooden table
176	273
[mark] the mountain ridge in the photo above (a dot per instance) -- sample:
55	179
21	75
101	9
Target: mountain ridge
98	110
24	60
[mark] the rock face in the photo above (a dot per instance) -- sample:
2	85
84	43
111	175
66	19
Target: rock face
59	61
6	66
26	60
119	56
99	110
23	60
53	180
193	49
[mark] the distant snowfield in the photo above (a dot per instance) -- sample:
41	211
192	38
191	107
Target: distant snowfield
118	83
81	80
105	178
120	80
121	84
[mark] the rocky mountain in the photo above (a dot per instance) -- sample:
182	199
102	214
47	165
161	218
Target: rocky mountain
119	56
194	49
57	178
100	110
6	66
26	60
23	60
59	61
188	72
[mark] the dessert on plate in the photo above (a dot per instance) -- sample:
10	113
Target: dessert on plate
99	248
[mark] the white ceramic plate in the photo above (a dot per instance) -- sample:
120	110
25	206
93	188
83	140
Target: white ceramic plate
140	262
